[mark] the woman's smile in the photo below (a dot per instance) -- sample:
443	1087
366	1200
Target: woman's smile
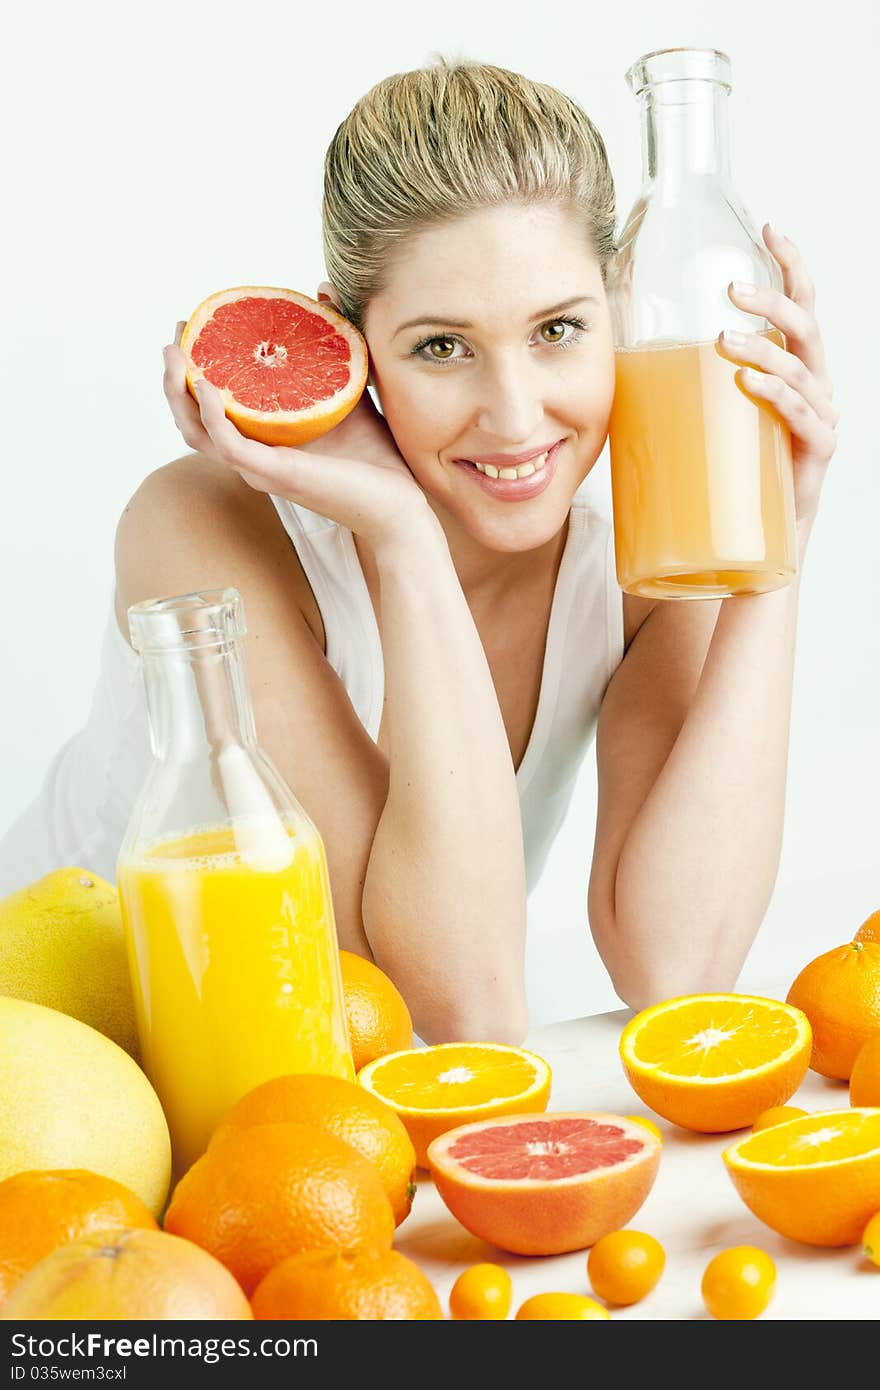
515	484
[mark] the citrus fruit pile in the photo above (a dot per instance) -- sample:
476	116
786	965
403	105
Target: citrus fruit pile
293	1210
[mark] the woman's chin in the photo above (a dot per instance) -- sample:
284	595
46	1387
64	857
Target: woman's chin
517	528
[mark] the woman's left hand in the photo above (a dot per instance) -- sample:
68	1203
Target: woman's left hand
793	380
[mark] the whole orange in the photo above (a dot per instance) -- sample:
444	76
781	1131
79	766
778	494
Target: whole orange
870	928
839	992
137	1275
268	1191
41	1210
864	1083
378	1019
347	1285
342	1108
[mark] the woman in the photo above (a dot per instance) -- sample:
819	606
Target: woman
431	648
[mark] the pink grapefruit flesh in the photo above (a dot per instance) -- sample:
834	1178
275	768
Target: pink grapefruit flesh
289	368
546	1183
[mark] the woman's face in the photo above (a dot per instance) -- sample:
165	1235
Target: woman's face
492	341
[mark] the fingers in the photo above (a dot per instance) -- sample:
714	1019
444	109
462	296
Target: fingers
796	282
790	309
757	351
815	434
268	468
184	409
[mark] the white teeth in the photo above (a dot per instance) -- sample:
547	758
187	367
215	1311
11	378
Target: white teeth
525	470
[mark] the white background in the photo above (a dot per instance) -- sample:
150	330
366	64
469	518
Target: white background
157	153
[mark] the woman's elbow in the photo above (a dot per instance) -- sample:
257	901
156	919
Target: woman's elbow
640	989
507	1025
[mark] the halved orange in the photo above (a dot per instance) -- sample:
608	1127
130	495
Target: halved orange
713	1062
289	367
815	1179
434	1089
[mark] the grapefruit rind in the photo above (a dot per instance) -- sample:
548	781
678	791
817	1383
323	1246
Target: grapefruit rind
826	1202
727	1100
280	426
552	1216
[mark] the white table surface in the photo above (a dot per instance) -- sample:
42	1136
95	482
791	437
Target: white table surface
693	1208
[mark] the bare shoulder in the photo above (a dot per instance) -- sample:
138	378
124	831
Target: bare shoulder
195	524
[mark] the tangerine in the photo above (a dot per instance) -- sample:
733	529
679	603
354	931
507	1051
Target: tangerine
347	1285
267	1191
378	1019
41	1210
839	991
342	1108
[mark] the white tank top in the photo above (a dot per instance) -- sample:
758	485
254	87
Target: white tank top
583	649
80	816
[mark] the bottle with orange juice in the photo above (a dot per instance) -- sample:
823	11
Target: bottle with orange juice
701	476
223	885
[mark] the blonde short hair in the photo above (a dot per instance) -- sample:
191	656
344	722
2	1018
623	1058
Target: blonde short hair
424	147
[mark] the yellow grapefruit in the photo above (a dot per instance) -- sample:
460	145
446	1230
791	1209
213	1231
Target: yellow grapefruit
70	1098
62	945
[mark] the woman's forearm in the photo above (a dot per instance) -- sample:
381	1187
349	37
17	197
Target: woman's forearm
698	866
444	902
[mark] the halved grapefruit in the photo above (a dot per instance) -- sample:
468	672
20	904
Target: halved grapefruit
289	367
546	1183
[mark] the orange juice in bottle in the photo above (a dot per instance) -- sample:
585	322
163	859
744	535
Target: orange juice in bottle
701	476
223	886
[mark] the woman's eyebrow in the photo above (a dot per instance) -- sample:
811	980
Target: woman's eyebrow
463	323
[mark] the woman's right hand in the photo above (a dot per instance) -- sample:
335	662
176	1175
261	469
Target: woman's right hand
353	474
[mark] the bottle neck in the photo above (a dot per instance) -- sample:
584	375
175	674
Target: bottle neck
684	132
198	701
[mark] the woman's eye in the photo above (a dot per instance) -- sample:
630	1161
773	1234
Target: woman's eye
553	334
558	328
445	346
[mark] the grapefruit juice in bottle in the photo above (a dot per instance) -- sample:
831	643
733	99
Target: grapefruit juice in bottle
238	974
223	886
701	477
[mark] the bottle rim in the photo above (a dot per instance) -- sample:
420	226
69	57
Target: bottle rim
202	618
679	65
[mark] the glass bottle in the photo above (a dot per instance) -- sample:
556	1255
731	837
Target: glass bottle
701	476
223	885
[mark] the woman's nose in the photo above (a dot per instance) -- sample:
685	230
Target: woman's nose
510	407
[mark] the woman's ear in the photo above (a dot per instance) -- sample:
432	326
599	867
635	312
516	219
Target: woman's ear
327	294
